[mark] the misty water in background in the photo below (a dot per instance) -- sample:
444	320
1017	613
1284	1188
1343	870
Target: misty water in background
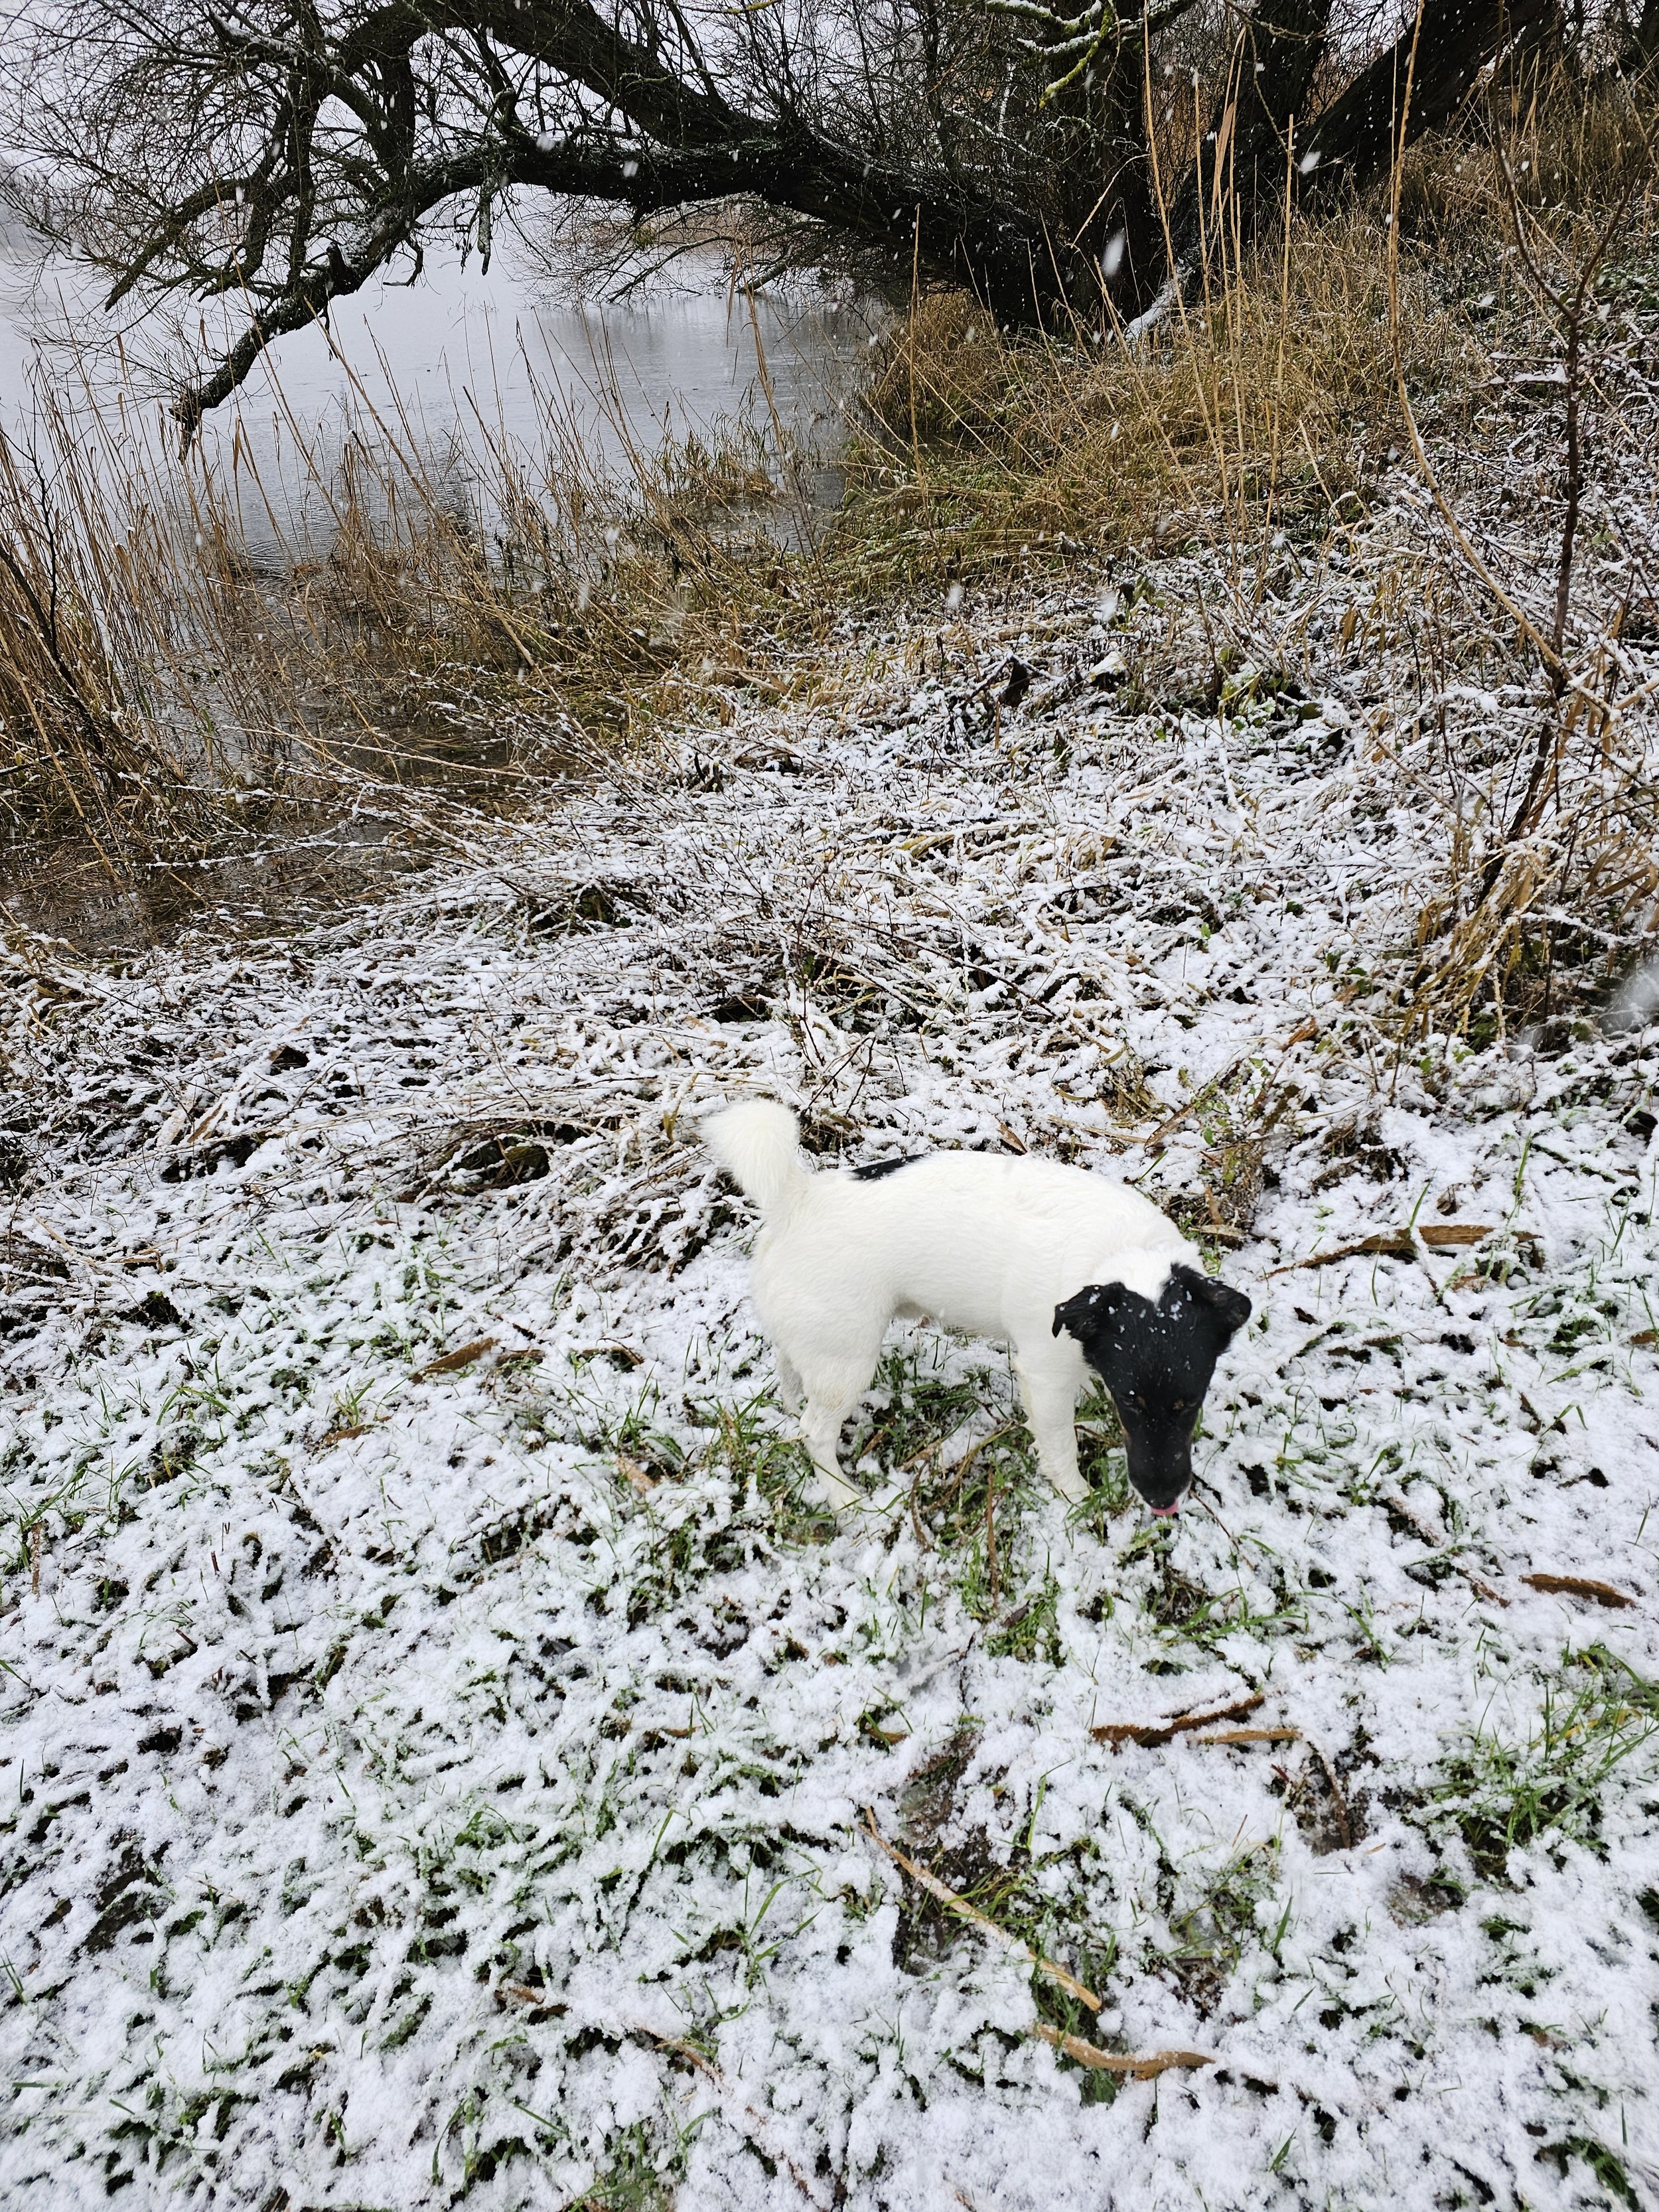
460	362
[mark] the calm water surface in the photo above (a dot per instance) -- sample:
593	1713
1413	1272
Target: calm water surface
459	361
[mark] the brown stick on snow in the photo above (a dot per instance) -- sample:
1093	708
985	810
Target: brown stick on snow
1156	1732
1578	1586
1252	1736
1396	1244
1110	2062
949	1899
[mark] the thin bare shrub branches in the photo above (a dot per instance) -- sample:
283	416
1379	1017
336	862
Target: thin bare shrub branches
275	155
1593	863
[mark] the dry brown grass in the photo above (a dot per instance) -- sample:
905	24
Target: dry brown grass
170	683
160	688
1268	398
1268	407
85	613
1572	149
1267	401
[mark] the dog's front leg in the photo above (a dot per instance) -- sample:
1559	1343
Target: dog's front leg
1051	1409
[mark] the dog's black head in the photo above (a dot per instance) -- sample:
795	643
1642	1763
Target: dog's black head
1156	1361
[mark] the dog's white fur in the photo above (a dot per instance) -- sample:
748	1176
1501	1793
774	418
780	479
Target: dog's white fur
986	1245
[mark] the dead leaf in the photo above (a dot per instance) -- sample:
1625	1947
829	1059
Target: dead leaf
1110	2062
632	1472
619	1355
1439	1235
538	1998
891	1737
1577	1586
453	1362
1646	1336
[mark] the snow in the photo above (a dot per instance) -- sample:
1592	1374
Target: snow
422	1784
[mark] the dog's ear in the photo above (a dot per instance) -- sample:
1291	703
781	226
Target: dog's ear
1088	1308
1230	1306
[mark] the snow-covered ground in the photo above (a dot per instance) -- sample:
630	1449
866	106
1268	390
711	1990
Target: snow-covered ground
431	1776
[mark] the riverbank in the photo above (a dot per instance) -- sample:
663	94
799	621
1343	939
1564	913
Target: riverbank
446	1753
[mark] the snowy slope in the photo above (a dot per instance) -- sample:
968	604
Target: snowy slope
426	1783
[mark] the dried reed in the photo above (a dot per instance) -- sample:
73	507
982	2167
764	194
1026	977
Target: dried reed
184	667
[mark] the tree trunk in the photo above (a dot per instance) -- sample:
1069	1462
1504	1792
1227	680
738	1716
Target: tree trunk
1357	137
331	136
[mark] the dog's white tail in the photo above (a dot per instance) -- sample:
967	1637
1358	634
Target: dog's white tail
759	1144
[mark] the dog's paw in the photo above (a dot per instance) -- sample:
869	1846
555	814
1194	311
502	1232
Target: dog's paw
1072	1487
831	1491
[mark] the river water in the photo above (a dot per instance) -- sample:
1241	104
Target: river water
461	362
449	372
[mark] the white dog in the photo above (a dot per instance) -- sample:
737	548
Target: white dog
1071	1270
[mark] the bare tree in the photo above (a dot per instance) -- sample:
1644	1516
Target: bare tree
280	153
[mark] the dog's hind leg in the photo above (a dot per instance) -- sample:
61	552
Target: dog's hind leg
789	1389
1051	1409
833	1386
821	1429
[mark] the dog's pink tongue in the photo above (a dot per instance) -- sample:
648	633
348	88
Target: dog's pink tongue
1166	1512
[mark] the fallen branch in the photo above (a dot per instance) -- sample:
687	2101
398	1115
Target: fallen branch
952	1903
1252	1736
1396	1244
1156	1732
1578	1586
1110	2062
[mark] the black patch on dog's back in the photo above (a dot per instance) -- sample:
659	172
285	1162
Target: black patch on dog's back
873	1170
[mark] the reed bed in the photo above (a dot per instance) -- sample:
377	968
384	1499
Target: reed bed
1363	425
185	668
